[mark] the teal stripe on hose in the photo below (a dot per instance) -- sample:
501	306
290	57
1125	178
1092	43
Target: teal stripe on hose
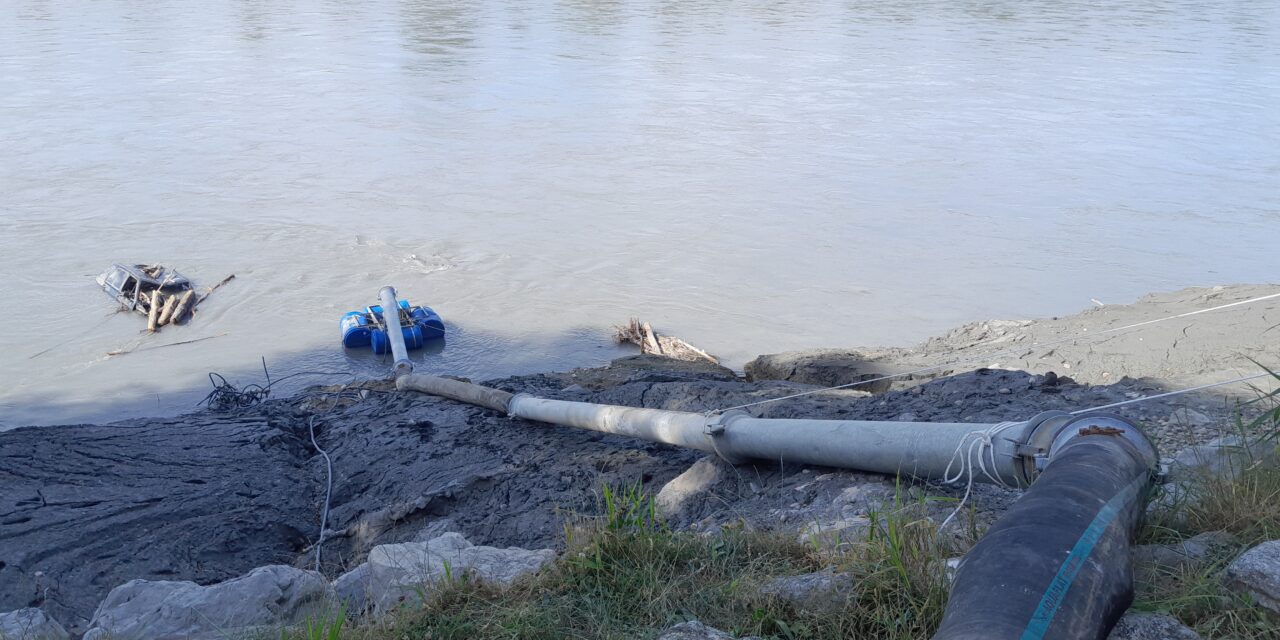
1038	626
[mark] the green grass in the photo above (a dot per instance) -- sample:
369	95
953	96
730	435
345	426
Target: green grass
626	575
1245	504
1249	508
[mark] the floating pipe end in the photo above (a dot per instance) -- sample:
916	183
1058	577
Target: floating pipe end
391	319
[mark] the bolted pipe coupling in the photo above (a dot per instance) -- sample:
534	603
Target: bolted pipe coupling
1051	431
716	429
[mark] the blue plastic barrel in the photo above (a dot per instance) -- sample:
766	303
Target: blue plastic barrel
355	329
430	323
359	328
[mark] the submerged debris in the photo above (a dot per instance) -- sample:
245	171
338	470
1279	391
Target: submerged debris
642	335
161	294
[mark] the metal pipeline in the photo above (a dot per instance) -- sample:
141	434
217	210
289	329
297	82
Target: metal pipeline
395	334
1014	456
1056	566
921	449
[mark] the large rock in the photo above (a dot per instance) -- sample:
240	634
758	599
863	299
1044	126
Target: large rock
836	535
30	624
1134	625
811	589
399	572
693	630
826	368
1226	456
351	588
264	598
1257	573
1151	561
697	480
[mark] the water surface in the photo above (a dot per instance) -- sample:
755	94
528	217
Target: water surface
753	176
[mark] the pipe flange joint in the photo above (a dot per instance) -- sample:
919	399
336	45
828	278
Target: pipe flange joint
716	428
515	399
1108	425
1037	438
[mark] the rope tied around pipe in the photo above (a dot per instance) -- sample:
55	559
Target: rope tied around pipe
975	448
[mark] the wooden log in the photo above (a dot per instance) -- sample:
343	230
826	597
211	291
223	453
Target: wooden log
120	352
184	305
153	314
210	290
170	303
650	341
681	350
642	335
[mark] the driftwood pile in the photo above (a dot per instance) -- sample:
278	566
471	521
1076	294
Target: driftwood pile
642	334
172	308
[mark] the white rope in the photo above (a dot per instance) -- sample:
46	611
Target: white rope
998	354
975	448
1173	393
328	488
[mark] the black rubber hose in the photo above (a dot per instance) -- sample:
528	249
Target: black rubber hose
1057	565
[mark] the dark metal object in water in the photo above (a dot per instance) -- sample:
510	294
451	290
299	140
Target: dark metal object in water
133	285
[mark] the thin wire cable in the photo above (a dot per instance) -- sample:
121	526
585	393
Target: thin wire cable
1172	393
226	396
998	354
328	489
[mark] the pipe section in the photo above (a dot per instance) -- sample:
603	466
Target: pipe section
921	449
671	427
395	334
486	397
1058	565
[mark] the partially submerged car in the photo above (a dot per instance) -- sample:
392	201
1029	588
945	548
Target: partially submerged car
132	285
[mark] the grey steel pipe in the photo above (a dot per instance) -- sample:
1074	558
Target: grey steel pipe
921	449
1009	453
395	335
495	399
672	427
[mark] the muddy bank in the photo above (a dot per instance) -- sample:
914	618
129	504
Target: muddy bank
209	496
1089	346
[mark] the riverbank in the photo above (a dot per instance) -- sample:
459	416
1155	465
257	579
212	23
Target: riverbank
209	496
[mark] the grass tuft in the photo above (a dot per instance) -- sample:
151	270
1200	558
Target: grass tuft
1245	503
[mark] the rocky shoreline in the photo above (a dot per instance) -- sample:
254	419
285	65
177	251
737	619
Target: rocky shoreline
208	497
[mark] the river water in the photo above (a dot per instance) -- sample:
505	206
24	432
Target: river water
753	177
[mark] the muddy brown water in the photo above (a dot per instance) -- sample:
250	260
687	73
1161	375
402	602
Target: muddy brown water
753	177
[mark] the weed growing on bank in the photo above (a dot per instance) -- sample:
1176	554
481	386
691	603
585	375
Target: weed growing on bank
1248	507
1242	500
626	575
